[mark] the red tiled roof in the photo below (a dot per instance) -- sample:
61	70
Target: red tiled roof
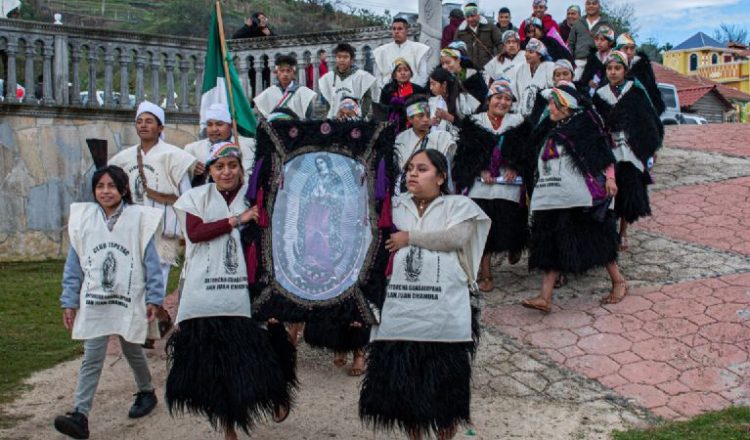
684	83
689	97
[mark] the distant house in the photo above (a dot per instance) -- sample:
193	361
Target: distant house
715	102
727	64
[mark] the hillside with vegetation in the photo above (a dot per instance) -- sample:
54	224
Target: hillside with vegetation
192	17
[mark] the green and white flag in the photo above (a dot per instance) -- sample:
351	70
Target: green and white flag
215	85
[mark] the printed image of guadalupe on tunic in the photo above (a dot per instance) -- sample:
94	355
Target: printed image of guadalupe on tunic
319	247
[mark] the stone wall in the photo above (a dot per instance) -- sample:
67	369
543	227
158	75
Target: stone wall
45	166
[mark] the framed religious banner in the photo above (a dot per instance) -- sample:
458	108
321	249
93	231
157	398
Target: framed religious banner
323	188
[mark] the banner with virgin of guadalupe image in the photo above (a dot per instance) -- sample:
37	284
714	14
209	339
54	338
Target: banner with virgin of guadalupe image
324	189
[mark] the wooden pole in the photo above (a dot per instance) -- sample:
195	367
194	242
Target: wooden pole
228	78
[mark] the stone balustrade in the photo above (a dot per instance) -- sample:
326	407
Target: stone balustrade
69	66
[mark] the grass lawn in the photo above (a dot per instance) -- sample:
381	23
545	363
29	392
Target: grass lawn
32	336
729	424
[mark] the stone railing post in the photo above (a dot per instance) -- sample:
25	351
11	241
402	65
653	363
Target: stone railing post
109	60
242	71
155	64
124	79
47	52
30	82
184	91
198	82
169	65
258	64
140	62
60	70
11	49
75	57
316	75
93	101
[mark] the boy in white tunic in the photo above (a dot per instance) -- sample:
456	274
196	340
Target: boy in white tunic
219	129
286	93
414	53
504	65
112	285
346	81
159	173
419	136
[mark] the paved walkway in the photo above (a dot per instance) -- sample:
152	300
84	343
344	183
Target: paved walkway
679	345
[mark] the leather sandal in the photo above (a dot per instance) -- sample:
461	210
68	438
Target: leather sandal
486	284
537	303
561	281
280	413
619	291
340	359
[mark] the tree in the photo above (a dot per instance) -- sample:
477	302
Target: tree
731	33
622	16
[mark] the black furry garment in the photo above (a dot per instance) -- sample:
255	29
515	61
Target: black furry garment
632	202
642	70
336	332
573	240
509	230
230	370
594	67
418	386
476	87
636	117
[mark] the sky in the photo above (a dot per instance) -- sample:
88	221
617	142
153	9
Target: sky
666	21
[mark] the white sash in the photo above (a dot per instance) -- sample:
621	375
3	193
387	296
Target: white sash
428	294
334	89
113	292
215	271
491	191
164	166
560	185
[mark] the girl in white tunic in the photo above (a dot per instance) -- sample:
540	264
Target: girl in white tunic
112	285
572	228
488	167
419	366
223	363
532	77
449	102
637	131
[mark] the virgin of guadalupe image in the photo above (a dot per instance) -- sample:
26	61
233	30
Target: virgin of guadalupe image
319	247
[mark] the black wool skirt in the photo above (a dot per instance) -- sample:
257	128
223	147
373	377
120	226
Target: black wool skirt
418	387
509	231
335	336
631	201
230	370
572	240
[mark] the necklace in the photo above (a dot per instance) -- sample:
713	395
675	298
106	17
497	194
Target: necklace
422	205
495	121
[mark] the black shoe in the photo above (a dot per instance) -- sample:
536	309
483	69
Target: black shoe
73	424
145	401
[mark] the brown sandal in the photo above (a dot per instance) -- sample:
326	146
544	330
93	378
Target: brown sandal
483	286
537	304
619	291
561	281
280	413
340	359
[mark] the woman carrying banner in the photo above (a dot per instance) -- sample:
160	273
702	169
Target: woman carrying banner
419	364
223	363
112	285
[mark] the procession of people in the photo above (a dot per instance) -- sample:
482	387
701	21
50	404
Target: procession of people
517	141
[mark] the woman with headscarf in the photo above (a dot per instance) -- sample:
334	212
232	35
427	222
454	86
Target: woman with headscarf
224	364
631	119
594	74
488	166
453	59
394	95
555	45
418	377
532	77
572	228
640	69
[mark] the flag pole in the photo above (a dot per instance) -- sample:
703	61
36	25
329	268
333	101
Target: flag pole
222	42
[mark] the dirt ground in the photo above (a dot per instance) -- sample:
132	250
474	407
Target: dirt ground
518	394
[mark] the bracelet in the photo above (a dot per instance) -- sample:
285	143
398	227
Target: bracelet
238	221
